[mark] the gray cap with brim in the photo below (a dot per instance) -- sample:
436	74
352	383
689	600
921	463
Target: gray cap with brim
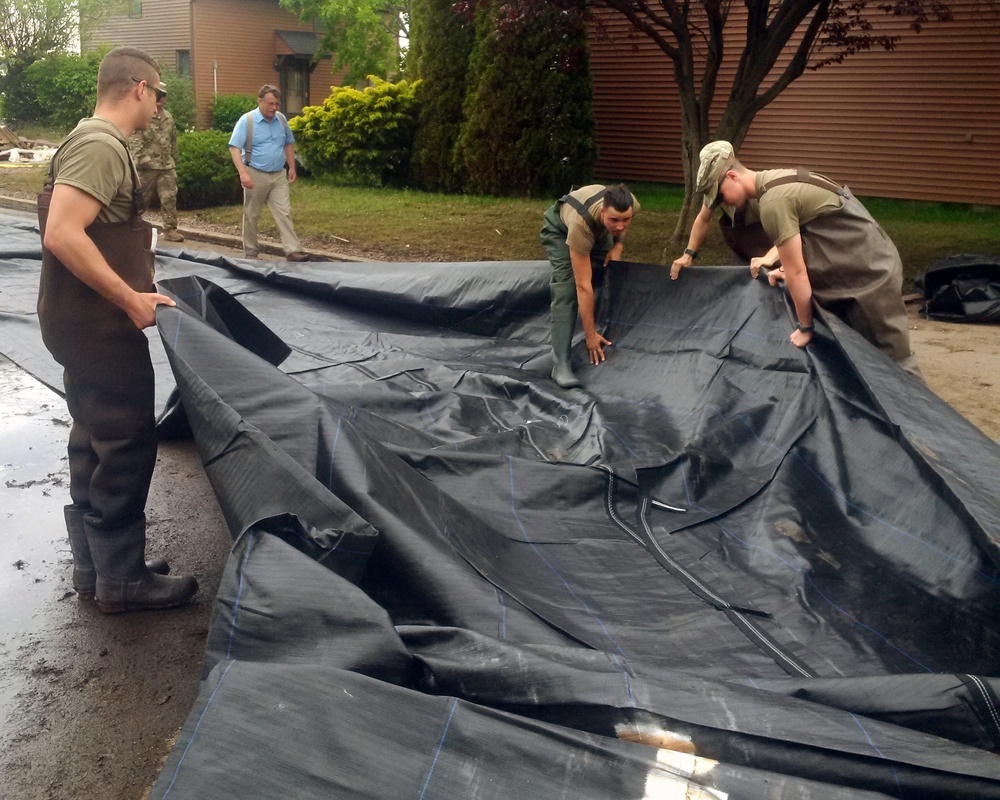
714	158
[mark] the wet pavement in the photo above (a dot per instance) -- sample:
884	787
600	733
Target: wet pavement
34	553
90	703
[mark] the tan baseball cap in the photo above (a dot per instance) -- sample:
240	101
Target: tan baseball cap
714	158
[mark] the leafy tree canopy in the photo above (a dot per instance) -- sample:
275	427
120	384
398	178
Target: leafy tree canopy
33	29
362	35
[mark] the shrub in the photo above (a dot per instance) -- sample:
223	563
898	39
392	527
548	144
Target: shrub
180	100
228	108
529	126
361	136
205	172
441	41
56	91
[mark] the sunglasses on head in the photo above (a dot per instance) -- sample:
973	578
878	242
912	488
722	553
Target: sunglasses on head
160	94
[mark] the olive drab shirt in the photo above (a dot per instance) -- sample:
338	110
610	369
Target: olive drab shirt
156	147
100	170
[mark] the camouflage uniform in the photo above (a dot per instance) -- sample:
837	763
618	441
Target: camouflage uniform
155	154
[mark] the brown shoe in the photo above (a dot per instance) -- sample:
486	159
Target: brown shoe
298	256
252	256
173	235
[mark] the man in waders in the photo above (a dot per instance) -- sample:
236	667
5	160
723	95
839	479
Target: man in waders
95	296
581	232
741	230
829	246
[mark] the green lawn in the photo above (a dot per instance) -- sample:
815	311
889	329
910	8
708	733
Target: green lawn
415	226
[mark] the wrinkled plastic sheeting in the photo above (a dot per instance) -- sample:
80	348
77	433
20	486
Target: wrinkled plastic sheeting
963	289
452	578
723	568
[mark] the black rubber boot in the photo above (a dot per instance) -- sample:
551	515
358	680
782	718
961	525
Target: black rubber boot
562	344
124	583
84	574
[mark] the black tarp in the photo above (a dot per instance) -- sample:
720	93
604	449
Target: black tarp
724	568
963	289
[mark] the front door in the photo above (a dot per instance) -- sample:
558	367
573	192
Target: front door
294	85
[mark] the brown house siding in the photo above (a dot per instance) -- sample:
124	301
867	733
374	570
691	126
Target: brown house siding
234	49
161	29
922	122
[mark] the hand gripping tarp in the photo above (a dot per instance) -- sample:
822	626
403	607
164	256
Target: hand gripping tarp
724	568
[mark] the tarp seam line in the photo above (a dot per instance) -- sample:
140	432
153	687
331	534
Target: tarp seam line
978	687
534	547
194	733
437	753
784	659
239	594
864	730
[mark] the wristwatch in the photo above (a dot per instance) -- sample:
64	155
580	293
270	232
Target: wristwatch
804	328
689	252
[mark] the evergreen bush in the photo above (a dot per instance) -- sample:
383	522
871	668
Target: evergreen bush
55	92
180	100
205	172
362	136
228	108
442	39
529	126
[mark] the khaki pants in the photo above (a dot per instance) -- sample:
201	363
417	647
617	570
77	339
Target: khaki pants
270	188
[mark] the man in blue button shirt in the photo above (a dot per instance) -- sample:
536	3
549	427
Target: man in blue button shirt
261	164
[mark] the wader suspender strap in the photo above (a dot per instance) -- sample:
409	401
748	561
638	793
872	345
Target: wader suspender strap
804	176
583	208
50	178
248	150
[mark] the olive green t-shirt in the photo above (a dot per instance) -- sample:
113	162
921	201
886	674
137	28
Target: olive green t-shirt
785	209
579	236
751	212
97	164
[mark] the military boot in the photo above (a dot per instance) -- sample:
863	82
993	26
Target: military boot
84	575
124	583
172	235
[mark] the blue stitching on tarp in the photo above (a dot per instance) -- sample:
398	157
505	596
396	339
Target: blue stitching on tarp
624	671
194	733
239	594
444	733
874	747
583	605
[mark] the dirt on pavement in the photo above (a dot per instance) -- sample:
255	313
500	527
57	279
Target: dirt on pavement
90	704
